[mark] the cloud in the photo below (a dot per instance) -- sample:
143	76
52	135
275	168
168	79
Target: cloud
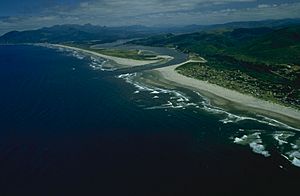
263	6
152	12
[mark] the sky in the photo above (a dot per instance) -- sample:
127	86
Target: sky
32	14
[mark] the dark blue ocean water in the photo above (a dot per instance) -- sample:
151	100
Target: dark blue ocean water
66	129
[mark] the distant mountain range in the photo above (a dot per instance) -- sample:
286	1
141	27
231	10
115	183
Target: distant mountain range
101	34
75	33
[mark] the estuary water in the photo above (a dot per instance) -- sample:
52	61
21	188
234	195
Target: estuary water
70	127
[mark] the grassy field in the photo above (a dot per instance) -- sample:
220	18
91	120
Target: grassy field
131	54
122	53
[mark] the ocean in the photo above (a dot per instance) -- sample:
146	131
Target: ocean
70	127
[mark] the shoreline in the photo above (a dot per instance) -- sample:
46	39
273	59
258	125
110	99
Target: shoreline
123	62
219	96
235	100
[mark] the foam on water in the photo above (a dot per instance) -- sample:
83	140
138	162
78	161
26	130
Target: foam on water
282	137
232	118
294	146
229	117
205	105
285	141
259	149
246	139
294	157
129	78
279	134
276	133
276	123
154	92
77	54
96	62
296	162
254	141
177	100
240	140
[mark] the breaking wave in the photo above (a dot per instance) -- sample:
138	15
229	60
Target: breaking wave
164	99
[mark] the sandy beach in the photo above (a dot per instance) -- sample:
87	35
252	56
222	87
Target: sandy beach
124	62
219	95
245	102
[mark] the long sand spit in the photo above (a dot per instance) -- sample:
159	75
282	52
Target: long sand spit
121	61
241	101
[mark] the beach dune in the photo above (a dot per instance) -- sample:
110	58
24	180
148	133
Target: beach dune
245	102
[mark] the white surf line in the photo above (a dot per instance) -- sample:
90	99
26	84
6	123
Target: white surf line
121	61
169	73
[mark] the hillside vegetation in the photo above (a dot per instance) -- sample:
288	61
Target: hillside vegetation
264	62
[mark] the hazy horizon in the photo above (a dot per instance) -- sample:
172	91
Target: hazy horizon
15	15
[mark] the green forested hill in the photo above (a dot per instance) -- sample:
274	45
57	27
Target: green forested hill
259	43
264	62
279	46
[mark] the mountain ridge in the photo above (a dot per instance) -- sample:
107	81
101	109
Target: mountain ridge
102	34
